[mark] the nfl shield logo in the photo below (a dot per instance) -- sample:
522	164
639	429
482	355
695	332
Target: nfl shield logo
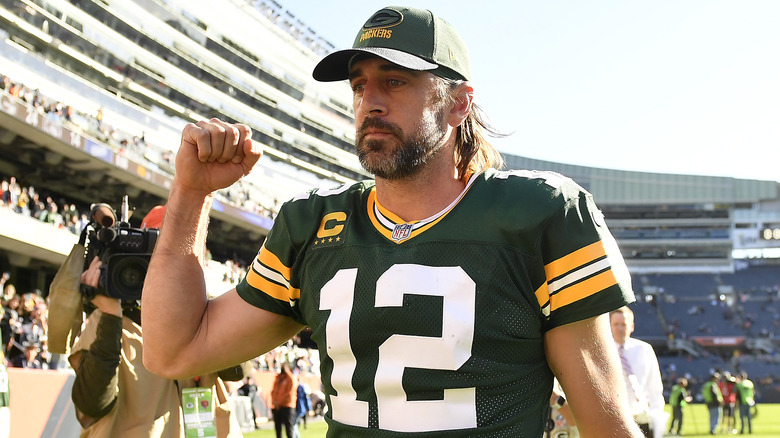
402	232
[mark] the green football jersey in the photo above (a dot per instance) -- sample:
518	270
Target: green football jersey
437	326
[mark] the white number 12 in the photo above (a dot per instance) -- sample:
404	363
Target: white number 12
449	352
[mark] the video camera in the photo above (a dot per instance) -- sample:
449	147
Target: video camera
124	251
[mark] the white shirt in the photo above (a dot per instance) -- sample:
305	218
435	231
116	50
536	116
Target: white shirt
646	392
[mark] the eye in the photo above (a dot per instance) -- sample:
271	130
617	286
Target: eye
395	82
357	87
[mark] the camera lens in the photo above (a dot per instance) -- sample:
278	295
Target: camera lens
126	275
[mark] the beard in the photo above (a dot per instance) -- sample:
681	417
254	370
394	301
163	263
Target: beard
403	156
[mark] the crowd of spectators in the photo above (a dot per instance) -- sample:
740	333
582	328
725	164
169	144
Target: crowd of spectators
24	327
24	315
244	195
26	200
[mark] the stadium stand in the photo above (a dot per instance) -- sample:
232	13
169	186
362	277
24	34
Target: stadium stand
92	105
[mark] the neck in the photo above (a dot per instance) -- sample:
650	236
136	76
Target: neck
425	193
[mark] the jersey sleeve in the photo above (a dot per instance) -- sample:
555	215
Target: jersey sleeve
585	272
269	283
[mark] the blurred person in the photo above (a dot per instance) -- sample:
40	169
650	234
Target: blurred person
9	290
49	360
14	191
249	389
35	326
5	327
154	218
74	225
69	212
29	302
283	398
22	204
11	319
746	398
714	400
302	405
5	398
418	273
727	385
679	397
5	194
641	374
114	395
13	338
37	207
28	360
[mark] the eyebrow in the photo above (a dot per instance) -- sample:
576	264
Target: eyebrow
389	66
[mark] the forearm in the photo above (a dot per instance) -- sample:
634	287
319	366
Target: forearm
174	298
579	355
95	387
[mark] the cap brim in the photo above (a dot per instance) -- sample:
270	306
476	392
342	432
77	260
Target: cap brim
335	67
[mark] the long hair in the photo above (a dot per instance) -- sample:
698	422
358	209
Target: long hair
473	152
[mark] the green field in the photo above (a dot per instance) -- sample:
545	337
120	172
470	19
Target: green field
695	424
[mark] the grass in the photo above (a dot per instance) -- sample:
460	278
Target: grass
696	421
695	424
315	429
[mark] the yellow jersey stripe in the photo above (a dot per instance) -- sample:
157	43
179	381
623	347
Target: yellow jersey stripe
385	212
269	275
542	294
261	283
270	259
374	220
583	289
574	260
388	220
579	274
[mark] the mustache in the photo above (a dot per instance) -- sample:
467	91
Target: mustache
377	123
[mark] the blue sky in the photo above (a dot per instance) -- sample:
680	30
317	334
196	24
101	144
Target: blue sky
669	86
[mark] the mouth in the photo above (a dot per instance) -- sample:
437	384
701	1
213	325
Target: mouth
376	129
376	134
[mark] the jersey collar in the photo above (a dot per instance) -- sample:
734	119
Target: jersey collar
396	229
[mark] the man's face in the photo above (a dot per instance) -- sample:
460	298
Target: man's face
622	327
400	122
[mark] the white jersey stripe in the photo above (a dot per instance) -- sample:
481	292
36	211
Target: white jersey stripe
578	275
270	274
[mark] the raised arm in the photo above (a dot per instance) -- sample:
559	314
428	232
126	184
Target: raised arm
185	333
583	358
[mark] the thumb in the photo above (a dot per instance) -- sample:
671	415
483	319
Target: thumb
251	154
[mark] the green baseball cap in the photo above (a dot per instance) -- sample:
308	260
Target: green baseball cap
410	37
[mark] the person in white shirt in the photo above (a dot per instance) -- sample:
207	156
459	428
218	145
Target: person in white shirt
641	373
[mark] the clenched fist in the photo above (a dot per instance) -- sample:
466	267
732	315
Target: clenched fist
214	154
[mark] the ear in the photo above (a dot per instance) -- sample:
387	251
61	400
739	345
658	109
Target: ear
464	97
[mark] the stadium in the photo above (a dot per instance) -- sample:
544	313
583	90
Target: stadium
92	106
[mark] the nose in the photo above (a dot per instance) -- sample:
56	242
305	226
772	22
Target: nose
371	101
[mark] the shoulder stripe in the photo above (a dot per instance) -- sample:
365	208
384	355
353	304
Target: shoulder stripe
270	276
578	275
270	288
574	260
267	258
583	289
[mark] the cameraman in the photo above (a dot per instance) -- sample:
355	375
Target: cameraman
115	395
